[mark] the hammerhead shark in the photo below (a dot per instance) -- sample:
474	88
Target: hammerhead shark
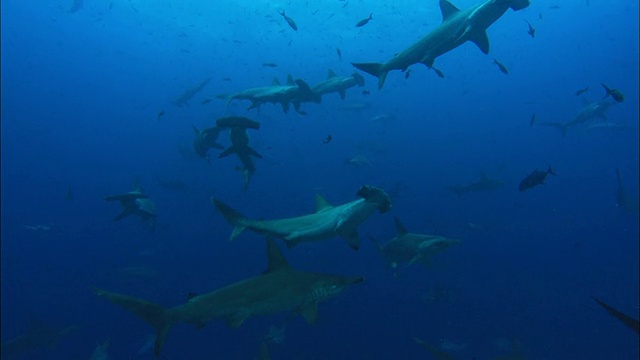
279	288
135	203
205	140
191	92
326	222
483	184
338	84
457	27
590	110
410	248
38	336
240	142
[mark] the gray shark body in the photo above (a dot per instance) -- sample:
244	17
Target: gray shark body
327	222
38	336
135	203
457	27
409	248
590	111
279	288
483	184
238	126
189	93
338	84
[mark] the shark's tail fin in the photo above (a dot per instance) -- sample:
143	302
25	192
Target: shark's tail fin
232	216
375	69
153	314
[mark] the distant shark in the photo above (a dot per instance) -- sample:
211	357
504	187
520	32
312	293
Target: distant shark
411	248
483	184
279	288
338	84
38	336
457	27
135	203
326	222
189	93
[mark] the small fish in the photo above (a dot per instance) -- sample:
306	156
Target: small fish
328	139
533	119
438	72
160	114
501	66
614	93
366	92
532	30
205	101
364	21
339	54
582	91
407	73
292	24
269	64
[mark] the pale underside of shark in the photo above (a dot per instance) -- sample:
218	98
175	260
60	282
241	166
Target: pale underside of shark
457	27
279	288
326	222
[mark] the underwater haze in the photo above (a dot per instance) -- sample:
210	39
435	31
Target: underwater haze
518	156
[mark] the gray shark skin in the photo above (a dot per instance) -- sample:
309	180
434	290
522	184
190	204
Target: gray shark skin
326	222
279	288
590	111
38	336
338	84
457	27
623	200
135	203
205	140
189	93
483	184
412	248
240	143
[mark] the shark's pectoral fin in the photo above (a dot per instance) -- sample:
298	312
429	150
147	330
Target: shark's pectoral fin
481	40
254	153
230	150
238	318
352	240
428	61
342	94
310	312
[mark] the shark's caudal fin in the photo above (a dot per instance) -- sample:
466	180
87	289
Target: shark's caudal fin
232	216
374	69
153	314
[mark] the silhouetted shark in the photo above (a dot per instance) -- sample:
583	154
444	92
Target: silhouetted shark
483	184
240	142
279	288
135	203
191	92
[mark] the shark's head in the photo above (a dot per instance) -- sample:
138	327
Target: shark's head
328	286
377	196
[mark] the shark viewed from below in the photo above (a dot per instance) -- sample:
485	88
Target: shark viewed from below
483	184
135	203
326	222
338	84
457	27
280	288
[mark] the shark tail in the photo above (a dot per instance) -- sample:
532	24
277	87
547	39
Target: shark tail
232	216
153	314
375	69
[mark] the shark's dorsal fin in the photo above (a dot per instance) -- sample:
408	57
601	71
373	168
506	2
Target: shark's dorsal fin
310	312
330	74
290	80
322	203
447	9
276	261
482	40
275	82
399	227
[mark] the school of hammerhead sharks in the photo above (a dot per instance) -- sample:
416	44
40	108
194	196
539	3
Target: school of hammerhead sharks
281	287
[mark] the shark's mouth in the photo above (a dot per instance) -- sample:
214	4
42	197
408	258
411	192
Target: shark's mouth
375	195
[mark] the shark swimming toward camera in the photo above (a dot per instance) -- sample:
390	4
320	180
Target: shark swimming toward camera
135	203
238	126
279	288
457	27
326	222
483	184
411	248
339	84
183	99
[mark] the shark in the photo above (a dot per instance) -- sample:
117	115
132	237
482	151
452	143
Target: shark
457	27
338	84
412	248
280	288
38	336
326	222
483	184
205	140
589	111
238	126
135	203
183	99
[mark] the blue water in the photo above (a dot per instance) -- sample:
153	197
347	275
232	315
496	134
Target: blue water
81	94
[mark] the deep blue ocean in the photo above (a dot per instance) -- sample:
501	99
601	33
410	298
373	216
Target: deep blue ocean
90	106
